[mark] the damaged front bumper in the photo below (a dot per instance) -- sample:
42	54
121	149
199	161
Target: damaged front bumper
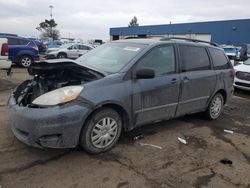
53	127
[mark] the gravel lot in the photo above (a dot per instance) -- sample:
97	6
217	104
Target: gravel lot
131	163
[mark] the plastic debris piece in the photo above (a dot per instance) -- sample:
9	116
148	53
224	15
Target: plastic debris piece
138	137
228	131
226	161
152	145
182	140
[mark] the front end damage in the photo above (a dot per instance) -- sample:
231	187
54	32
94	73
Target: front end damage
56	126
51	75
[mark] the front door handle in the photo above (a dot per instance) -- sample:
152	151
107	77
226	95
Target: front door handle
174	80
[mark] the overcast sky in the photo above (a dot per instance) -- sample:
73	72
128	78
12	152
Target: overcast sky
93	18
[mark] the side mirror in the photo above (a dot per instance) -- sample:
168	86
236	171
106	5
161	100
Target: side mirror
145	73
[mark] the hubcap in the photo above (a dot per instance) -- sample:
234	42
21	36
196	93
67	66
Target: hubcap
216	107
104	132
26	61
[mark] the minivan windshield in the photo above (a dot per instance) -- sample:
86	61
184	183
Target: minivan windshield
247	62
110	57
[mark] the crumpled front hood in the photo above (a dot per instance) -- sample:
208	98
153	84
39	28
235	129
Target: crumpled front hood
54	65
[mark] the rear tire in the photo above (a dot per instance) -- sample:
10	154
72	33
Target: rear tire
215	107
25	61
61	55
101	132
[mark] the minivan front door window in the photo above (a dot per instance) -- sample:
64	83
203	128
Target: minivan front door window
161	60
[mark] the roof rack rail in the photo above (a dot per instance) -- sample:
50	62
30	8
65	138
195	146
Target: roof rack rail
140	37
192	40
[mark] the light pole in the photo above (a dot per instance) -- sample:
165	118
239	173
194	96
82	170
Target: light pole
51	7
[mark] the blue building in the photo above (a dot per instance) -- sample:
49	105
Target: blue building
228	32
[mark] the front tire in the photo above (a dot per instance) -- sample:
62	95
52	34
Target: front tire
25	61
215	107
101	132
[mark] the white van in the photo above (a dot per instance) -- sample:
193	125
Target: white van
5	63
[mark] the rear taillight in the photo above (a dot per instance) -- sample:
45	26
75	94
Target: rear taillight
233	72
5	50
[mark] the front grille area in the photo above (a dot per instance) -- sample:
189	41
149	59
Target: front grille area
243	75
242	84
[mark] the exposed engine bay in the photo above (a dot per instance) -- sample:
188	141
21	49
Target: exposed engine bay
51	75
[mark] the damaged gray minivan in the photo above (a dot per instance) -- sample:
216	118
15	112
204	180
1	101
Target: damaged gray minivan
118	86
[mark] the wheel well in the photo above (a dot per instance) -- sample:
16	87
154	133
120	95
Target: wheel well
118	109
62	53
224	94
24	56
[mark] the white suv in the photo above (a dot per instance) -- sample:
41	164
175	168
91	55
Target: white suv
5	63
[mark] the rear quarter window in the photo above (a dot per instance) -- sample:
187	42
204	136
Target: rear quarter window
16	41
12	41
194	58
219	58
23	42
82	47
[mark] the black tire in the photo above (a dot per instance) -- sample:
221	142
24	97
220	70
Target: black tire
61	55
25	61
88	141
213	112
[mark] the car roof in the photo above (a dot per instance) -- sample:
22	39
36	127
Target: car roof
150	41
14	37
78	43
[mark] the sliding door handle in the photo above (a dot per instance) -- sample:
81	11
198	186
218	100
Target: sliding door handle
186	79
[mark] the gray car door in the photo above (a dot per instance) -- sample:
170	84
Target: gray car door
198	80
156	99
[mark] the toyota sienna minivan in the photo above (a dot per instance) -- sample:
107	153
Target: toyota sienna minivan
117	87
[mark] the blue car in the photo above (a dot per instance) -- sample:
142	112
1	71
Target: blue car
22	51
54	44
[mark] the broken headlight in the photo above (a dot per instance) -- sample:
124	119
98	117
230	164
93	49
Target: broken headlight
59	96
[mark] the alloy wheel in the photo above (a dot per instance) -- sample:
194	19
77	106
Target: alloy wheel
26	61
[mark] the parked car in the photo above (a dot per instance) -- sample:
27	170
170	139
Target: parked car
41	46
245	52
22	51
72	51
96	42
54	44
231	52
238	49
118	86
242	79
5	63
